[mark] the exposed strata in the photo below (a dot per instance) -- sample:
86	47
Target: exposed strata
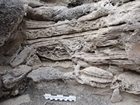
102	36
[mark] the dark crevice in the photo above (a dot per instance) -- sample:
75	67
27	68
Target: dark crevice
118	24
131	30
108	64
107	46
118	59
36	28
131	71
114	38
48	59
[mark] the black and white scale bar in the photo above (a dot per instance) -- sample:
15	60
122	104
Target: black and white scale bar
60	97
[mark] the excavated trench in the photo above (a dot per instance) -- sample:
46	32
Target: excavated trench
85	48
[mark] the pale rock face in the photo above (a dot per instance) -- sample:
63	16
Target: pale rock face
17	71
93	76
45	74
102	38
73	13
22	56
94	14
128	82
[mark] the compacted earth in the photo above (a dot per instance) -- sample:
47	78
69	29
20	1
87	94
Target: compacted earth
85	48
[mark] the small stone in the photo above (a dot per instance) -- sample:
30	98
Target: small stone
116	97
15	92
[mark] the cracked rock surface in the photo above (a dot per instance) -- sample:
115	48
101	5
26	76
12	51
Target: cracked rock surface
87	48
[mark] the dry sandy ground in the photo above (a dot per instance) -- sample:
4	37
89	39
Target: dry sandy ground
86	95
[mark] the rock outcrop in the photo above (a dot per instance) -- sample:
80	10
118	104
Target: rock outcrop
102	37
11	37
93	76
105	35
128	82
11	32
